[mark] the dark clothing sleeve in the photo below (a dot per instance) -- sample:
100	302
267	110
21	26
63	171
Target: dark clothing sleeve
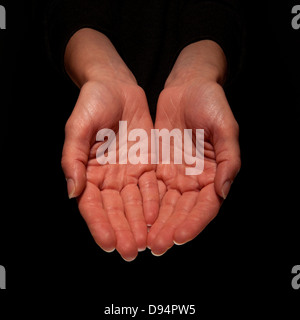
220	21
149	35
65	17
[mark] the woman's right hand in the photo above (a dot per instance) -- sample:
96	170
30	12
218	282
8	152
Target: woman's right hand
117	201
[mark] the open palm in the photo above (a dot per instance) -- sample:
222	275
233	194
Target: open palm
190	202
117	201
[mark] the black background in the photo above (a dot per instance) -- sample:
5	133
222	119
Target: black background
243	258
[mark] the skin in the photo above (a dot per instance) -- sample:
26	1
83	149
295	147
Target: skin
193	98
116	201
119	201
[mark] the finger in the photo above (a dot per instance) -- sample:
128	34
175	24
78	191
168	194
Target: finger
91	208
165	237
167	207
132	201
150	194
74	157
228	158
113	204
206	208
162	189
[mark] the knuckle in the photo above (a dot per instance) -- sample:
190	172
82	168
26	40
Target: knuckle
69	125
64	162
136	90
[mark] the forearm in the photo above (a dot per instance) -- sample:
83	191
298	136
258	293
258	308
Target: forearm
90	55
203	59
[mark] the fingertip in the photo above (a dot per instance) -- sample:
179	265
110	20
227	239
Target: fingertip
126	246
160	245
128	259
158	255
105	239
129	256
141	239
111	250
178	244
107	247
75	173
225	175
71	188
152	234
188	231
75	187
191	229
222	188
183	235
151	212
150	238
226	188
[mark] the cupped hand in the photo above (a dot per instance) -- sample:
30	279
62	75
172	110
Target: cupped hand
190	202
117	201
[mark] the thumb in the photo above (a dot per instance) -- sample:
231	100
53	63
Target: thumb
227	156
74	157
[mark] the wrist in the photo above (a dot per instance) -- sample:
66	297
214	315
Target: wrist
98	72
90	56
203	60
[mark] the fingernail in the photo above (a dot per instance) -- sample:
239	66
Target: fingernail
129	259
226	188
158	255
71	188
109	250
178	244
